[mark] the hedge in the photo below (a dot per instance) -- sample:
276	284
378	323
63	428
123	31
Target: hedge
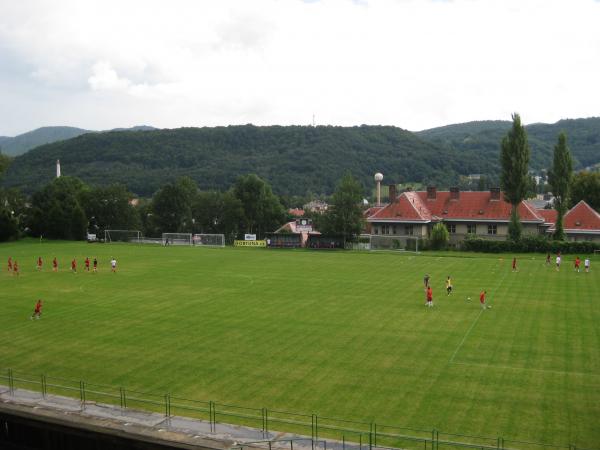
529	244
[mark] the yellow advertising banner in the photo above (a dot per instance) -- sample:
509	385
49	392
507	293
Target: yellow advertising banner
249	243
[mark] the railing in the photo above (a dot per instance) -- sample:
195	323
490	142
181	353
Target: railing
340	434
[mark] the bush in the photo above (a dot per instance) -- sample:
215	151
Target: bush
439	236
529	244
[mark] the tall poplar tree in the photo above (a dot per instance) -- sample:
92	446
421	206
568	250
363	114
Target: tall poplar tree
514	178
559	178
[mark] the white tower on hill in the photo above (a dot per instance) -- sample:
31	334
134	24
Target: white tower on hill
378	179
58	168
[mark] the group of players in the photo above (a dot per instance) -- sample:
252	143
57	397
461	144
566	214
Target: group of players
483	293
586	263
13	265
13	268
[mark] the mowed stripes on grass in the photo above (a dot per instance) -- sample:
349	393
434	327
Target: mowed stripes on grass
339	334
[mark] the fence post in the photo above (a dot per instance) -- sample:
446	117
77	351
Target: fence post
267	421
312	430
375	427
44	386
167	406
11	382
343	442
82	393
213	416
371	436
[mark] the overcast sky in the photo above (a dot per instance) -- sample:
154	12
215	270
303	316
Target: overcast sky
415	64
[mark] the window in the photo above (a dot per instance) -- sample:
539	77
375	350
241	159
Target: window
376	229
451	227
394	229
492	229
408	230
471	228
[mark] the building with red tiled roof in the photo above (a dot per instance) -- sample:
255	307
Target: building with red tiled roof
478	213
581	223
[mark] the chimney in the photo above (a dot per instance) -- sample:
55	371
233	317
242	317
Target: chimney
495	193
392	193
431	192
454	193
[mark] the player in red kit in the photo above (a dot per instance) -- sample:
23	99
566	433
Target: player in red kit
74	266
87	263
429	297
40	263
15	268
37	312
577	264
514	265
54	265
10	264
482	299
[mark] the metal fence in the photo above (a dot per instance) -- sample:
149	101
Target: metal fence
320	431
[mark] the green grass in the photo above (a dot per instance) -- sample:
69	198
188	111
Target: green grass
337	334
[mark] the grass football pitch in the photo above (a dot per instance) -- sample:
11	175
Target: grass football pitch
338	334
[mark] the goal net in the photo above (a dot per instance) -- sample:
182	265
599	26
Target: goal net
401	243
177	238
122	236
210	240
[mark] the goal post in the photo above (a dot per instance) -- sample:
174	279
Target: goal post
122	236
209	240
393	242
177	238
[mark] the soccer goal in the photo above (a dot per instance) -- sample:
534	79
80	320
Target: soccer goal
177	238
122	236
209	240
399	243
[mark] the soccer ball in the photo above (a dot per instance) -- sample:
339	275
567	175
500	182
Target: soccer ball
469	298
489	306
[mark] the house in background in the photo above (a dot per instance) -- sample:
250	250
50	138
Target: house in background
483	214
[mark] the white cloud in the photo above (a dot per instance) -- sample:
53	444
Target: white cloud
410	63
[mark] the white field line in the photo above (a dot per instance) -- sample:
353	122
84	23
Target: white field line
473	324
528	369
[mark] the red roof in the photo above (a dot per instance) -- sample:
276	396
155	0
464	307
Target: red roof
581	217
470	205
296	212
549	215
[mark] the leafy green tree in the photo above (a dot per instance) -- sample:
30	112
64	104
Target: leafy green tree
217	212
586	186
56	210
514	159
560	177
439	236
172	206
9	228
345	215
16	204
109	207
262	210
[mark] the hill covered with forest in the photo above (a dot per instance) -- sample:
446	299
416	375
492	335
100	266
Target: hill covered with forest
22	143
295	160
484	137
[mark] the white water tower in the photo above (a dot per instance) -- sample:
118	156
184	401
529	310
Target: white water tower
378	179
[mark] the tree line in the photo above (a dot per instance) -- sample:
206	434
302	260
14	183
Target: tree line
68	208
